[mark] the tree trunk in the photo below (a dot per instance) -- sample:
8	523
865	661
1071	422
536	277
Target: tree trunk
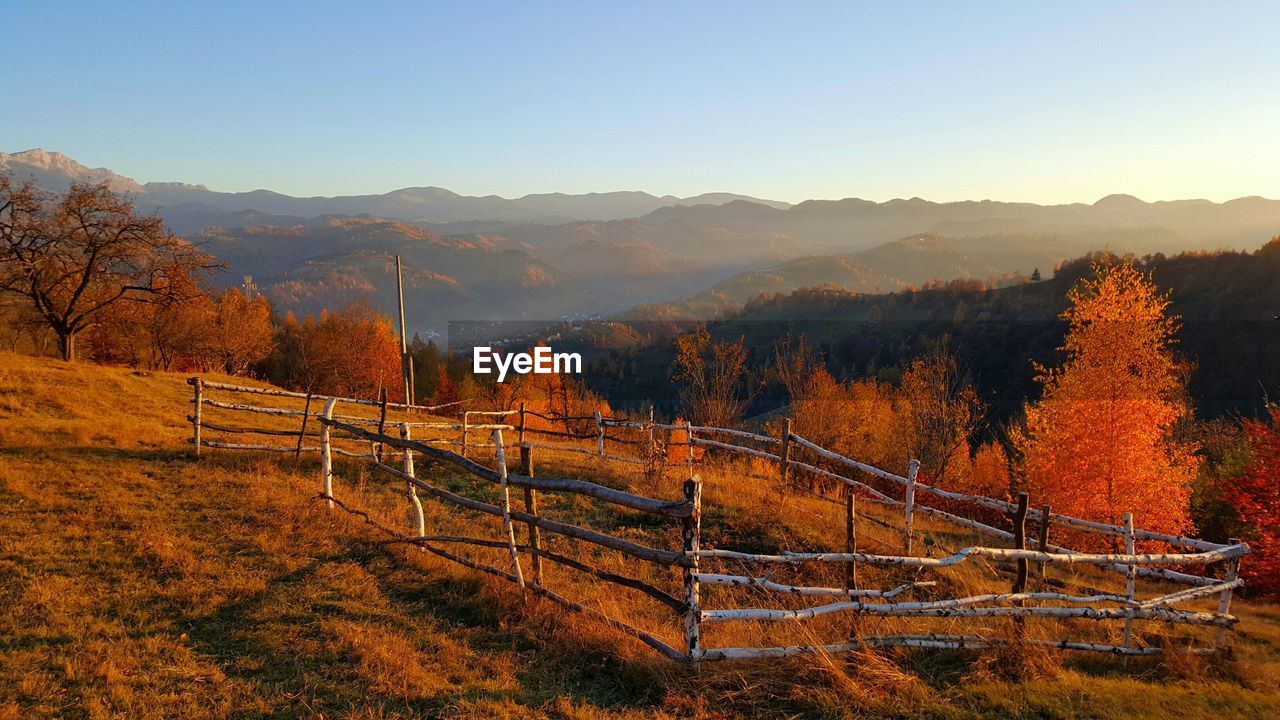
67	345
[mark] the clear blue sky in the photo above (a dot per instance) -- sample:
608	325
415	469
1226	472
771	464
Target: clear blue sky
1035	101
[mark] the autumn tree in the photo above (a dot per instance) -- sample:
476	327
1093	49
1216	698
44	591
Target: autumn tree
794	366
239	331
711	378
1255	497
941	410
354	352
1100	441
856	418
161	335
446	392
75	255
427	363
988	472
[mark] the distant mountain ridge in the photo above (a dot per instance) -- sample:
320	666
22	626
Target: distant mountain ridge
492	258
853	224
810	227
186	206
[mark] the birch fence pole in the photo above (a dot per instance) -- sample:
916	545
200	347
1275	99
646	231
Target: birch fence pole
306	413
504	495
1131	577
326	452
1045	513
688	432
850	538
465	416
416	517
784	463
382	424
599	435
531	507
1224	598
691	537
909	506
197	385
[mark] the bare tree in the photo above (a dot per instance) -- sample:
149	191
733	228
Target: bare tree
712	378
944	410
794	365
72	256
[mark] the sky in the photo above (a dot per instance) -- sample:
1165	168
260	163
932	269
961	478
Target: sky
1027	101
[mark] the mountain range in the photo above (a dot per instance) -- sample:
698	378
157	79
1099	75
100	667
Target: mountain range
551	256
188	207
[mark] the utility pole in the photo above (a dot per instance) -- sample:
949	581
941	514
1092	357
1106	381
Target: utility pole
406	362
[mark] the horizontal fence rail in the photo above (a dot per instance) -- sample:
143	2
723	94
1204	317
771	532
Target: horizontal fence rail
602	439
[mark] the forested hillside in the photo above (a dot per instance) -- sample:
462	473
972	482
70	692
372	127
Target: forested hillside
1228	302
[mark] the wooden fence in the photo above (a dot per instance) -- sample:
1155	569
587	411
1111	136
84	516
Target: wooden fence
800	465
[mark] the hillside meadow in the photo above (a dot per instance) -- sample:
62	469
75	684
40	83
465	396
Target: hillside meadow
142	583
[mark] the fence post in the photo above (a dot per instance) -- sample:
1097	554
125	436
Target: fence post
784	462
302	434
1046	513
908	507
326	452
382	424
520	435
691	536
599	435
688	432
1224	597
850	538
416	517
465	415
505	496
1020	541
197	387
531	507
1131	576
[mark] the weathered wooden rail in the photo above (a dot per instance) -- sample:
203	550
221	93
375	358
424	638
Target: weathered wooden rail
794	456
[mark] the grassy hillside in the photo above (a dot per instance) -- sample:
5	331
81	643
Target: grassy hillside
140	583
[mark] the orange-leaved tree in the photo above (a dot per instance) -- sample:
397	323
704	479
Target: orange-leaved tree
711	377
1100	441
353	352
239	331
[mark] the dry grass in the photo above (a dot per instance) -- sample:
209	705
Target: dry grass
141	583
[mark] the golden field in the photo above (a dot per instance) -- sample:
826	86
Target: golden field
139	582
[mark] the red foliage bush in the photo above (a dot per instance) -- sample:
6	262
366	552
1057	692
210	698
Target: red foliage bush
1256	498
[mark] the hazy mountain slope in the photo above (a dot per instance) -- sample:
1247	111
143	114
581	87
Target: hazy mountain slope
711	246
309	267
332	261
840	271
918	260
